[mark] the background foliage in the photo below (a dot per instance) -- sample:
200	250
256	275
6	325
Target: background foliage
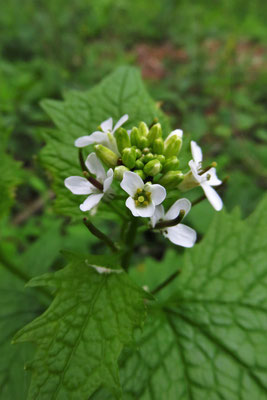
206	68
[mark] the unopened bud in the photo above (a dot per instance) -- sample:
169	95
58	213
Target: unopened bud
134	136
154	133
161	158
148	157
142	142
139	164
106	155
171	179
158	146
172	146
152	168
138	153
122	139
171	164
119	171
129	157
140	172
143	128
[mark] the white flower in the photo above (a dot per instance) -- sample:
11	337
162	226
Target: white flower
79	185
207	179
180	234
177	132
105	137
143	197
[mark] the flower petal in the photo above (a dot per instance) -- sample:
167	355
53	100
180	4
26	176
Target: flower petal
121	121
174	210
108	180
131	182
212	196
106	126
79	185
181	235
91	201
196	152
95	166
158	214
158	193
132	207
213	180
176	132
146	212
194	171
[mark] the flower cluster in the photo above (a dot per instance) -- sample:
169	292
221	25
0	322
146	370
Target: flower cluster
147	167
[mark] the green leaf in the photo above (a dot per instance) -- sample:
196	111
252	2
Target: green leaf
208	340
80	114
81	335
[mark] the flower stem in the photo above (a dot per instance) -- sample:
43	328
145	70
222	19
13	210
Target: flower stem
171	222
100	235
129	243
166	282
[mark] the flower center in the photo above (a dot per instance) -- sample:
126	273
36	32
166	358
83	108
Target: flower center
142	198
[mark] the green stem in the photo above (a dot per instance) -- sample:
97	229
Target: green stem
100	235
129	243
166	282
13	269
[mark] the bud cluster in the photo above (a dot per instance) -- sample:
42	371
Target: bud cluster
143	151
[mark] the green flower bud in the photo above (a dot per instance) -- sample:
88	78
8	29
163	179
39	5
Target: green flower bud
158	146
171	164
140	172
148	157
171	179
134	135
138	153
142	142
143	128
154	133
139	164
152	168
172	146
161	158
119	171
129	157
106	155
122	139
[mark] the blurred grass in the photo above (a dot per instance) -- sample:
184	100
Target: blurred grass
204	62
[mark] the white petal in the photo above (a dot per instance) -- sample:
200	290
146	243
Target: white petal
121	121
176	132
212	196
108	180
158	214
194	171
79	185
174	211
95	166
146	212
132	207
181	235
91	201
83	141
106	126
196	152
213	179
158	193
131	182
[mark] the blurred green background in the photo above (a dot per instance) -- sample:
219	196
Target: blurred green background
203	62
